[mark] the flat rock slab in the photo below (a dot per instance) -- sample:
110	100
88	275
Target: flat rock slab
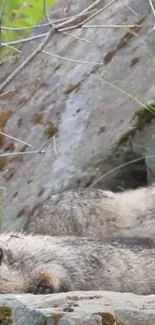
78	308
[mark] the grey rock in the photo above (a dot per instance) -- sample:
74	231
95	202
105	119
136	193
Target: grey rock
80	308
96	128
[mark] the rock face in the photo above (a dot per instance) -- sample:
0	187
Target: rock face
78	308
97	126
97	115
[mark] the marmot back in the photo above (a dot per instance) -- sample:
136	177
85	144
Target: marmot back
93	212
45	264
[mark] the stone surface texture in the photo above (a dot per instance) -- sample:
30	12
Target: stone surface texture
97	110
100	123
80	308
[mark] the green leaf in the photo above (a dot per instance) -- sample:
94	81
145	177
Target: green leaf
19	13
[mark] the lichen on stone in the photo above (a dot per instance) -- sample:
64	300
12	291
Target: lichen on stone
51	129
6	315
109	319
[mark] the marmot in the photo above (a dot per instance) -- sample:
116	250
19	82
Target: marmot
46	264
94	212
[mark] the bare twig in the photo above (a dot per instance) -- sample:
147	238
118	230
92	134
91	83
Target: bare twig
28	60
41	25
110	26
99	11
71	60
153	11
23	28
87	11
24	40
133	11
74	20
44	145
54	144
77	37
119	167
33	152
11	47
13	138
21	153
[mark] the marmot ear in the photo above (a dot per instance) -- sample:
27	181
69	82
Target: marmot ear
1	255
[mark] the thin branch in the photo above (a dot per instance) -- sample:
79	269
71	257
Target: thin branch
119	167
133	11
54	144
77	37
41	25
99	11
12	48
153	11
28	60
13	138
21	153
71	60
127	94
24	40
110	26
81	21
44	144
74	20
23	28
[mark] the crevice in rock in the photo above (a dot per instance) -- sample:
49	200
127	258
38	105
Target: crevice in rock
131	176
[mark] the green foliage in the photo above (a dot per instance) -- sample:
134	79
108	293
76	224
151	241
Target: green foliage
19	14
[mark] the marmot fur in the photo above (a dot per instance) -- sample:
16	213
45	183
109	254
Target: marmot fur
45	264
93	212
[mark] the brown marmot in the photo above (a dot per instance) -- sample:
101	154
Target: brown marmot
45	264
93	212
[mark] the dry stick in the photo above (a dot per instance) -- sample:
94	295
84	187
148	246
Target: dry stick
28	60
12	47
24	40
13	138
111	26
71	60
80	24
54	28
21	153
77	37
41	25
120	166
99	11
153	11
39	151
133	11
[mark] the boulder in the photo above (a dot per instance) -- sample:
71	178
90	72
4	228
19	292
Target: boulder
78	308
95	110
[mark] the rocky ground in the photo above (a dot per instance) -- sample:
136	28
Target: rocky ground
78	308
